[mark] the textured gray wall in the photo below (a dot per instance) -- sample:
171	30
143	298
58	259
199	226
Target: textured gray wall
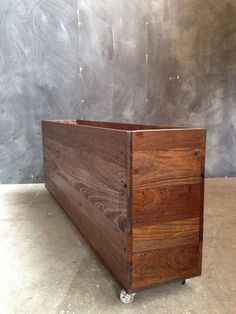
38	79
193	72
153	61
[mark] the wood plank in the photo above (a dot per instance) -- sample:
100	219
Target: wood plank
101	243
116	125
108	144
102	182
163	235
177	200
150	167
82	205
165	265
168	139
203	152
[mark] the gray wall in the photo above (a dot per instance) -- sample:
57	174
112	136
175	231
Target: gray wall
152	61
39	79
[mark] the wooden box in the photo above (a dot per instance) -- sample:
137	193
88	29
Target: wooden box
135	192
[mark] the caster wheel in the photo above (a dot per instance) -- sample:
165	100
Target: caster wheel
126	297
182	282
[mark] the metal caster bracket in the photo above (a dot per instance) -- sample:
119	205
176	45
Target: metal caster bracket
126	297
182	282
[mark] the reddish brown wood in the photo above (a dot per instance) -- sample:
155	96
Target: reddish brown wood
170	200
134	191
165	265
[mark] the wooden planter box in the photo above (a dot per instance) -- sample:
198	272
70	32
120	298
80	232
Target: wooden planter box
135	192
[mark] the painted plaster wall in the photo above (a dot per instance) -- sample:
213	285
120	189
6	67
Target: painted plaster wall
38	79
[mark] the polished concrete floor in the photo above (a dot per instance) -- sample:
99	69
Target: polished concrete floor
46	266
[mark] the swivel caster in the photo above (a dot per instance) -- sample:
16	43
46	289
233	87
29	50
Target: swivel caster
182	282
126	297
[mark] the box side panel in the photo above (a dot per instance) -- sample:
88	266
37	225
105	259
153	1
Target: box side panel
168	181
86	171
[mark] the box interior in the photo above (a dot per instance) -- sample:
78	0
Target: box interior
116	125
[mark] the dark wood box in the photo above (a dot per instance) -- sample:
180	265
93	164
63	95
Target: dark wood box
135	192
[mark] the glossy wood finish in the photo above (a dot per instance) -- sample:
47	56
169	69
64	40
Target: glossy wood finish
165	265
168	183
170	200
86	171
135	192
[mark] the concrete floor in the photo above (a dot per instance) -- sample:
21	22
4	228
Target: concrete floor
46	266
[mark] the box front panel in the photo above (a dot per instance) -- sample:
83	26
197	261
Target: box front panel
86	171
168	170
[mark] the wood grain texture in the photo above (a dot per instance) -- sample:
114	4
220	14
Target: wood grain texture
162	165
135	192
166	154
117	125
168	202
168	192
97	172
168	139
86	171
110	145
163	265
108	196
163	235
106	241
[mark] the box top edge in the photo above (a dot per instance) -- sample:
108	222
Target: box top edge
120	126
